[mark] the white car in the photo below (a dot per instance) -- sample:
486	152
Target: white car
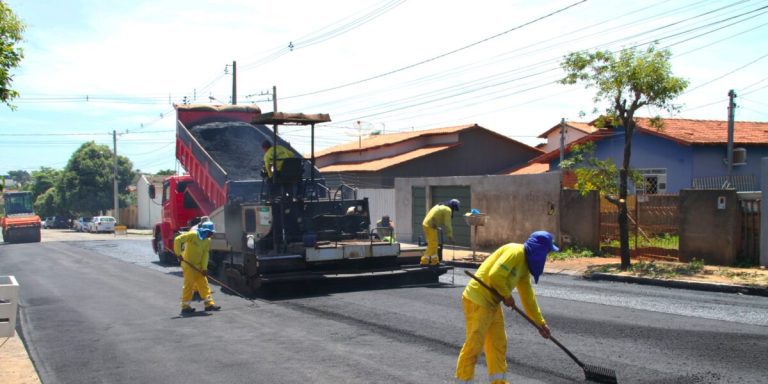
102	224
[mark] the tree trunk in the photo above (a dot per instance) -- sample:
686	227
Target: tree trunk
623	184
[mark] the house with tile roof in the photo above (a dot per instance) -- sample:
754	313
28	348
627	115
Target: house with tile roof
682	153
375	161
570	131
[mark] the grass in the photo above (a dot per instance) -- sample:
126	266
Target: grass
664	240
571	253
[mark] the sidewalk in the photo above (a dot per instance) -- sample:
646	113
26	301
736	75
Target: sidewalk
588	268
15	365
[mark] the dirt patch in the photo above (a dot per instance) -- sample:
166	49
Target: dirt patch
687	272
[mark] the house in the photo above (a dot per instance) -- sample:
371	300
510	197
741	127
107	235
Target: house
149	210
570	131
371	165
682	153
462	150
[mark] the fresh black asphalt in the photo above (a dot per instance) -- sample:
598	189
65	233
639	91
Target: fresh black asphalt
107	312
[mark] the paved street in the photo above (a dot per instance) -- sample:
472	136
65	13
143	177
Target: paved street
100	309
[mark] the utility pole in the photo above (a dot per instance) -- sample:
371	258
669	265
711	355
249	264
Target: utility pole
234	82
731	115
117	200
274	98
562	141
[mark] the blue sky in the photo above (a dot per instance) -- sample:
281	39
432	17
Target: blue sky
93	66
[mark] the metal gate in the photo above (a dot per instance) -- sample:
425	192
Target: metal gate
749	251
653	226
461	231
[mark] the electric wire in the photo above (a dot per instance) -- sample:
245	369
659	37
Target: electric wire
431	59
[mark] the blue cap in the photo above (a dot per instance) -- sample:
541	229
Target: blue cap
538	245
204	229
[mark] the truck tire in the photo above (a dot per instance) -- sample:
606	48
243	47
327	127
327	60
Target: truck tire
162	254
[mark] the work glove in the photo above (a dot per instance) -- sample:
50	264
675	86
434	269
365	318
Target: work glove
544	331
179	258
204	272
509	301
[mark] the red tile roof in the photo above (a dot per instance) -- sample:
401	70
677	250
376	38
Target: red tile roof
704	132
684	131
379	164
390	138
530	169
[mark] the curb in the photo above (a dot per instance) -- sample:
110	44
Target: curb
683	284
693	285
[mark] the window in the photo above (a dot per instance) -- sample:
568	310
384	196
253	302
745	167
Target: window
654	181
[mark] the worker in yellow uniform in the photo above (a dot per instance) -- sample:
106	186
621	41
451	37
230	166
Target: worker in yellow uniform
271	154
194	265
439	216
509	267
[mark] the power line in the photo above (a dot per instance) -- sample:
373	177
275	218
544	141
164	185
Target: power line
438	56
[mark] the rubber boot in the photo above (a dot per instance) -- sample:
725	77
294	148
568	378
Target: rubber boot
187	311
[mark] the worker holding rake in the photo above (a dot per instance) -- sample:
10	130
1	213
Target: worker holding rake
509	267
194	265
438	217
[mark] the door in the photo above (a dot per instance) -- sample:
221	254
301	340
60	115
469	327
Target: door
461	231
418	211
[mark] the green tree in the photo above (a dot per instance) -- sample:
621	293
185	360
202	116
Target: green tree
627	81
48	204
165	172
87	180
11	29
20	177
44	179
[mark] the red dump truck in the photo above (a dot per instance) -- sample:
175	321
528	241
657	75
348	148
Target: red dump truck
288	227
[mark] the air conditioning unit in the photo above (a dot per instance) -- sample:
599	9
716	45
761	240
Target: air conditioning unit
739	156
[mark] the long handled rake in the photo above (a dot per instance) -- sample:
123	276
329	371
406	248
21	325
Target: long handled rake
216	280
591	372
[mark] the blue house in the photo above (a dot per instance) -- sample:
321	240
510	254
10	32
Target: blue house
682	153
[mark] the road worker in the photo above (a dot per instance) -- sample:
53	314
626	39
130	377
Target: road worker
385	229
278	152
509	267
194	265
439	216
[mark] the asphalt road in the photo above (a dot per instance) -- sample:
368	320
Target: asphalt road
99	309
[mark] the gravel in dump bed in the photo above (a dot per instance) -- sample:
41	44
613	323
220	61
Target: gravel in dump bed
235	146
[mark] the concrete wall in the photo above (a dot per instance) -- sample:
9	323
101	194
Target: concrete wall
516	204
707	231
580	219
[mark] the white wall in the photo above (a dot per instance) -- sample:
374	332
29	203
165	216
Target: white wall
380	202
148	210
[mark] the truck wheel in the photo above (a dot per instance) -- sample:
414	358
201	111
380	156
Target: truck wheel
163	255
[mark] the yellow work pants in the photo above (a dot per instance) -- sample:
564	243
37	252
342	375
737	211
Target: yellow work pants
194	281
485	329
430	255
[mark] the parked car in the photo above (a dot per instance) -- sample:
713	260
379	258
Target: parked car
102	224
82	223
59	222
46	222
